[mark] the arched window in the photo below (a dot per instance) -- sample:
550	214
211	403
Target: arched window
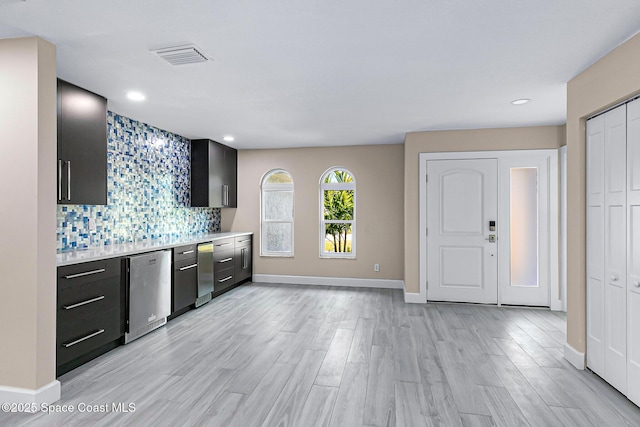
337	214
276	224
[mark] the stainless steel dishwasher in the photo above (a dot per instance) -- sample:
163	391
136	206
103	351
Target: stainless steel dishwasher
205	273
148	293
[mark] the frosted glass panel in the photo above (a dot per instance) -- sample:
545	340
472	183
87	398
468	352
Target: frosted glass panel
278	205
524	226
277	237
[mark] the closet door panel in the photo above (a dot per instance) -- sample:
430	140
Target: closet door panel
633	251
595	246
615	235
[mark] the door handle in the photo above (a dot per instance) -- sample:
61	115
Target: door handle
636	283
614	278
492	238
225	195
69	180
59	180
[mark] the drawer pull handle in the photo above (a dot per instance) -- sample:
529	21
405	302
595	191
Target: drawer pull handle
79	340
242	241
188	267
225	260
86	273
224	244
187	252
89	301
225	279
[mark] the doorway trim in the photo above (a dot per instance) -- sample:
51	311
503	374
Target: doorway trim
555	300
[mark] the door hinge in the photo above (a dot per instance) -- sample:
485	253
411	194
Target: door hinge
427	231
426	178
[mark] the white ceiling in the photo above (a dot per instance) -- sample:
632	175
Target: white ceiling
294	73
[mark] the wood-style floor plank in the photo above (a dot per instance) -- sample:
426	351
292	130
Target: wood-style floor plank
288	355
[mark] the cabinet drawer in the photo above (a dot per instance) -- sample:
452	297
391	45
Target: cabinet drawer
223	260
223	244
87	272
78	303
243	240
85	335
223	279
185	252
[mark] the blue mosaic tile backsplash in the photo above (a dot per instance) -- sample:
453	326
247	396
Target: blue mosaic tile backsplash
148	190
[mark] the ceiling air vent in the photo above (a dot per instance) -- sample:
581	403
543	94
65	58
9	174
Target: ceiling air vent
181	55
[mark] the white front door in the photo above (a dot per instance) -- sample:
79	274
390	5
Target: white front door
462	259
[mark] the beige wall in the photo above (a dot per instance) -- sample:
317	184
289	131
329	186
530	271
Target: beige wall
378	170
541	137
614	78
28	214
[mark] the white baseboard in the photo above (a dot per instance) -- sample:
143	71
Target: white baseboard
556	305
575	357
329	281
48	394
414	298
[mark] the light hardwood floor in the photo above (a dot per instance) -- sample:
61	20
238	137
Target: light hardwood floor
285	355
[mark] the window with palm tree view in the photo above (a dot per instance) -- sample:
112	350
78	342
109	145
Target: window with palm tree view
338	214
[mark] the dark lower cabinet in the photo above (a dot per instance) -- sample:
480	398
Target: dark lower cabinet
243	258
185	277
90	312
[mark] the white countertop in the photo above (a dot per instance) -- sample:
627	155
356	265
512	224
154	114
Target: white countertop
77	256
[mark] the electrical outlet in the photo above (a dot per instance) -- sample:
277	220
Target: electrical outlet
92	224
376	267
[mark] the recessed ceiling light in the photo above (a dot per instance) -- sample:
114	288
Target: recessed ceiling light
136	96
520	101
229	138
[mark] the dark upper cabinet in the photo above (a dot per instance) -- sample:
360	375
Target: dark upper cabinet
82	146
214	174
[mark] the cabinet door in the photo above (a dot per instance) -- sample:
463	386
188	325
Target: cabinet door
82	146
230	199
185	284
243	263
213	174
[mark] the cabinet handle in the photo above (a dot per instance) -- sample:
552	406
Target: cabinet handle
69	180
223	244
225	279
89	301
188	267
224	260
225	195
72	343
86	273
242	241
187	252
59	180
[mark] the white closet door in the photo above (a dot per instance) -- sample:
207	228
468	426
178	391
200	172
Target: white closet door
615	239
633	251
595	245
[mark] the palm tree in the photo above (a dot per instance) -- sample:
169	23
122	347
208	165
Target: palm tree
338	205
